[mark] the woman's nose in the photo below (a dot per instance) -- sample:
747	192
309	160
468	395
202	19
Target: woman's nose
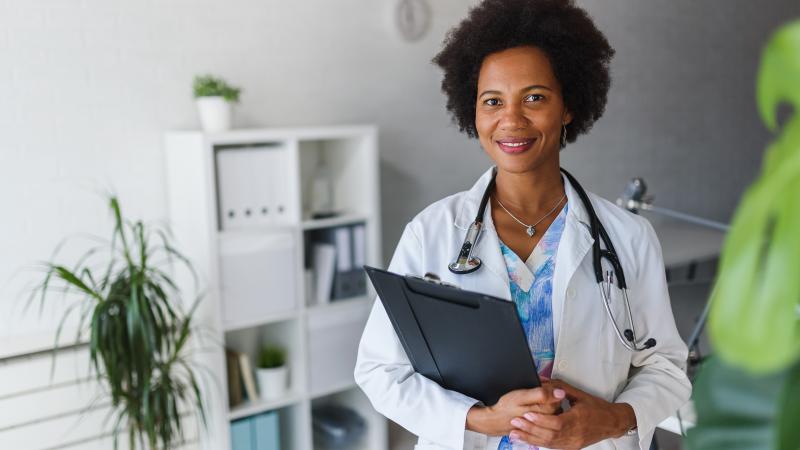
513	119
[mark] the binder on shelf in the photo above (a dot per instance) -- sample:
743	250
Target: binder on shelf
324	263
267	431
253	186
260	432
232	180
360	255
242	435
349	244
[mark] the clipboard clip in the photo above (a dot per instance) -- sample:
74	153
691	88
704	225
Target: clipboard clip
431	277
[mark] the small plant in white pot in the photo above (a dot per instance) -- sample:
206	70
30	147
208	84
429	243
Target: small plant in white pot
214	98
272	372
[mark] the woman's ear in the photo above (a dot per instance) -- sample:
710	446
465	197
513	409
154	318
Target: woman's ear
567	118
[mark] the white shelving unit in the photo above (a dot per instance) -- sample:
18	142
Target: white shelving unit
321	339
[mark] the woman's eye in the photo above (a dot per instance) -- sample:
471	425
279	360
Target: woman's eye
491	102
535	97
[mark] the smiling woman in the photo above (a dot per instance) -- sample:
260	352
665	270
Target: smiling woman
527	77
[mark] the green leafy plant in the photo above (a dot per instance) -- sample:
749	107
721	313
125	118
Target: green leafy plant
271	357
211	86
138	333
749	397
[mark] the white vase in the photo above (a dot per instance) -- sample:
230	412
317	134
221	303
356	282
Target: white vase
215	114
272	383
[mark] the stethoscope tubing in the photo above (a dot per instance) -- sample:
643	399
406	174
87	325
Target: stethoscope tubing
467	263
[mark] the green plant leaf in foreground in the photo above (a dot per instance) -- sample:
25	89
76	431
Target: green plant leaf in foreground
789	418
754	321
735	409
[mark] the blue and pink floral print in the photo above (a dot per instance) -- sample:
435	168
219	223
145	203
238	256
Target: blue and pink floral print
531	284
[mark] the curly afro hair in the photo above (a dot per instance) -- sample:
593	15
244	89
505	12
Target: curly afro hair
578	52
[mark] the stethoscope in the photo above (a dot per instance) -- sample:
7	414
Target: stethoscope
467	263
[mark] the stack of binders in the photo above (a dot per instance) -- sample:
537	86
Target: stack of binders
260	432
337	257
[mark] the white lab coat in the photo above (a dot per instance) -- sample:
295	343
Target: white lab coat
588	354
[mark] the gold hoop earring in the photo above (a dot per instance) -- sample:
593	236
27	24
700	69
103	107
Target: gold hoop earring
564	135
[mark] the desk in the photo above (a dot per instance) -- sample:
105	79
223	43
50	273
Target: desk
684	242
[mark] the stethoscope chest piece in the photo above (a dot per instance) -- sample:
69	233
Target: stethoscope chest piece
466	263
468	266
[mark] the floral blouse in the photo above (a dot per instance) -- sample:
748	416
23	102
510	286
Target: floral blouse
531	285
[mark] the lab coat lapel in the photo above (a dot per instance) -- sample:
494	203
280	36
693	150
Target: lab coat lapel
576	242
492	277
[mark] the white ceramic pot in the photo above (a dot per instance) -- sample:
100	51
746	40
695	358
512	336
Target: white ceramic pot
272	382
215	114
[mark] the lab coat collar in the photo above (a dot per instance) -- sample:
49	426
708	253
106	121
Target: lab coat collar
472	200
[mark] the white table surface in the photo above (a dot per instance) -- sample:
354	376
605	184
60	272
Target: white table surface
683	242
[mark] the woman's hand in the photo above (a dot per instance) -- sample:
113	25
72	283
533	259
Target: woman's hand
495	420
589	420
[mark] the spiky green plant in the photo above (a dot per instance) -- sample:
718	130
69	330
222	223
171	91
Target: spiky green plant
211	86
749	397
138	333
271	357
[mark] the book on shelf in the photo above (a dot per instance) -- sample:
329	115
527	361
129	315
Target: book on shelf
235	395
247	377
241	382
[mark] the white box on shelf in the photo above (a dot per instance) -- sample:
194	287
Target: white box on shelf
258	273
333	346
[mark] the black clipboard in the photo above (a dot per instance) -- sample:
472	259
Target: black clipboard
465	341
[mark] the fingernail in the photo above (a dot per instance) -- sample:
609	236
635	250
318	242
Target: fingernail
559	393
513	436
517	423
531	416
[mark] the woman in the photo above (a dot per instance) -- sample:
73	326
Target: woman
526	77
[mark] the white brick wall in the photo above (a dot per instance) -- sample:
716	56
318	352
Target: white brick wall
88	86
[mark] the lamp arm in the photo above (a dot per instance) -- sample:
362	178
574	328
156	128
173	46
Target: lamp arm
683	216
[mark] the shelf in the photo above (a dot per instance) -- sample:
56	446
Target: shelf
268	319
346	219
341	387
251	408
360	302
257	268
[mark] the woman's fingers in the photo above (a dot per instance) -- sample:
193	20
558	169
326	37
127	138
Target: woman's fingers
571	391
546	394
527	432
548	421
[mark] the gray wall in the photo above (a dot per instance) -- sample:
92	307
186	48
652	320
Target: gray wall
681	113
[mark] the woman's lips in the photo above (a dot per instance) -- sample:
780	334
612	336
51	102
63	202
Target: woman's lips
516	146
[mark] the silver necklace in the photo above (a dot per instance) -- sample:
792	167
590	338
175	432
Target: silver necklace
530	229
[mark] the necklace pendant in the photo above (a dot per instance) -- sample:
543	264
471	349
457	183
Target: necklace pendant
531	231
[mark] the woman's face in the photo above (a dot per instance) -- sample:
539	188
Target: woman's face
519	111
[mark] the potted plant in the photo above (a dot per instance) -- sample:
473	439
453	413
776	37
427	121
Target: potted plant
138	332
214	98
272	372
